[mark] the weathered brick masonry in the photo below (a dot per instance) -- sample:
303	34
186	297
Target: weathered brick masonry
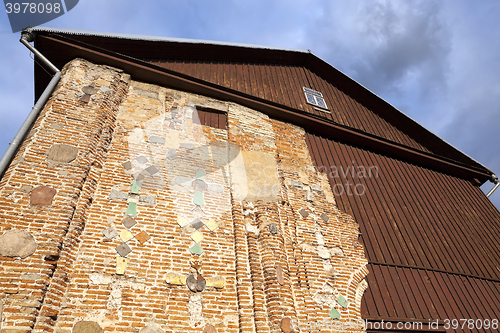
122	212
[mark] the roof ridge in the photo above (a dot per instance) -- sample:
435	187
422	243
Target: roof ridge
160	39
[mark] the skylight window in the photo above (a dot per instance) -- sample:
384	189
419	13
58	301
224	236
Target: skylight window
315	98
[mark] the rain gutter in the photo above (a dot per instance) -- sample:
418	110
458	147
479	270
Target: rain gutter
27	37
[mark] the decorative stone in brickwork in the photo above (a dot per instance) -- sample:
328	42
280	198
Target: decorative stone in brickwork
129	222
334	314
148	199
132	209
196	249
216	282
199	185
279	275
89	90
323	252
273	229
142	237
197	236
157	139
121	265
211	225
209	328
197	224
126	235
118	195
63	153
342	301
87	327
198	199
142	159
189	146
105	89
336	251
286	325
135	186
152	328
304	213
17	243
127	165
110	233
152	170
85	98
182	221
196	284
200	174
172	154
324	217
175	279
123	249
42	196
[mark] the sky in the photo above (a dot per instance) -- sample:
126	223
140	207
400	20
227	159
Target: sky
436	61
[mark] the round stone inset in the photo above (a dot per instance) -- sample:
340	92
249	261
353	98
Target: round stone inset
17	243
42	196
87	327
209	328
286	325
199	185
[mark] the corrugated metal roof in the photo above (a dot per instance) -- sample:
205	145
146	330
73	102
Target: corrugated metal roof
402	294
431	239
283	84
413	216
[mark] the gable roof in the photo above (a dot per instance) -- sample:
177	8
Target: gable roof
268	79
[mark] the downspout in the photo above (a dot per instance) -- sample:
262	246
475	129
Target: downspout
494	179
26	38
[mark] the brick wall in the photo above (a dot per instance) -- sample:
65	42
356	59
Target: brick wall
122	212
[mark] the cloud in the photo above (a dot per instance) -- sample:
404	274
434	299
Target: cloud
399	50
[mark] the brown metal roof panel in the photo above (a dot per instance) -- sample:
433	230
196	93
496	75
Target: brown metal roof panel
390	230
407	293
480	234
474	202
411	215
401	304
378	231
360	117
429	295
416	219
385	304
396	215
391	212
467	236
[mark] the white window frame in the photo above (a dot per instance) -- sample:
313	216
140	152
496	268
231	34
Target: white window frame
315	98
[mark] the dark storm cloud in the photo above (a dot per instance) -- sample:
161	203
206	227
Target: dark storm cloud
406	41
397	49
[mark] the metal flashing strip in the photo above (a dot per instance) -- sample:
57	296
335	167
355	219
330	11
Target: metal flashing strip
433	270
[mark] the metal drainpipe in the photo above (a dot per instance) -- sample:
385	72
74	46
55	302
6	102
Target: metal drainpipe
494	179
26	38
